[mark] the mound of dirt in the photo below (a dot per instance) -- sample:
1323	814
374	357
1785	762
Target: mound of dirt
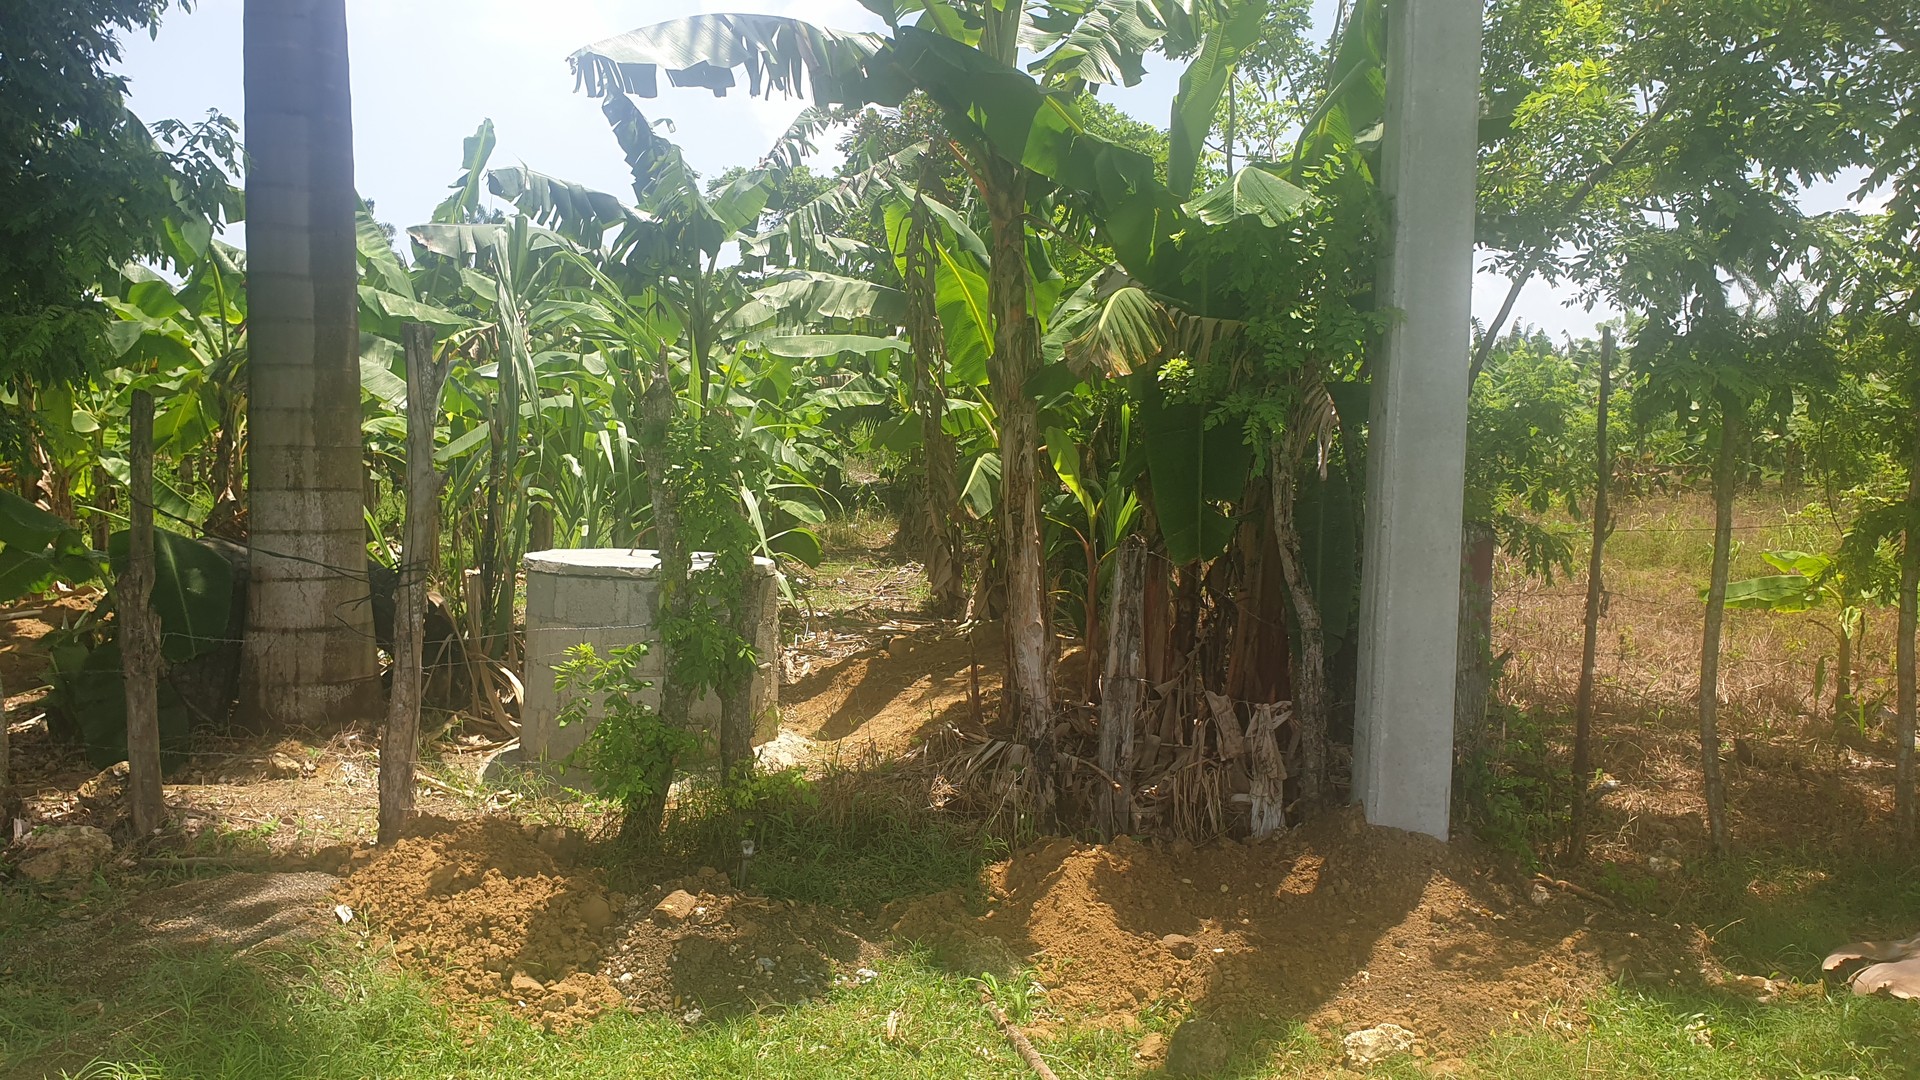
701	946
488	909
1338	924
496	911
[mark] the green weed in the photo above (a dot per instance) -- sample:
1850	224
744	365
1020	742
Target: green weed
1636	1033
340	1015
842	840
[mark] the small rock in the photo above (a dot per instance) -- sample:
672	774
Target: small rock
1541	897
526	984
285	766
1662	864
1153	1047
64	852
562	843
1199	1048
105	788
675	908
1376	1044
596	912
1181	945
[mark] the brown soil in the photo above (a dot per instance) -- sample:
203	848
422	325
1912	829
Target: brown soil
736	952
1338	924
495	911
888	697
486	908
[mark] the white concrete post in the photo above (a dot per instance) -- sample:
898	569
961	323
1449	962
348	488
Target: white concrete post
1416	454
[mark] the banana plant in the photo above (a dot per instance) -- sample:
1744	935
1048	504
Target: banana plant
1813	582
963	55
1098	510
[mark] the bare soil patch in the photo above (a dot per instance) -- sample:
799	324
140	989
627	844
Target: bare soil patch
732	952
891	694
487	910
1337	924
499	912
238	912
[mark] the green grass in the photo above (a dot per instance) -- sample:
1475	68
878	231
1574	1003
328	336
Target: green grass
848	839
1763	910
862	530
1711	1037
341	1014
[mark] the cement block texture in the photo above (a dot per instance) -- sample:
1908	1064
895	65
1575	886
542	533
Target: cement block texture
605	597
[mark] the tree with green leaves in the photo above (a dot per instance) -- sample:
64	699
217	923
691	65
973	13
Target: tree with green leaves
1876	282
87	186
964	57
1723	366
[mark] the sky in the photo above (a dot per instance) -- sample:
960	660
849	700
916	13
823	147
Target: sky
427	72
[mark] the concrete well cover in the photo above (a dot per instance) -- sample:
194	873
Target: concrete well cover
605	597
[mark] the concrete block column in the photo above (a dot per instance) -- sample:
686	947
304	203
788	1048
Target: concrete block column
1416	456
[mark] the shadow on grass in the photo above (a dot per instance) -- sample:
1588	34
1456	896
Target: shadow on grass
854	839
1781	912
334	1013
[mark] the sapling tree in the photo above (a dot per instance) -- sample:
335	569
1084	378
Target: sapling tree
1813	581
1721	368
1875	278
631	751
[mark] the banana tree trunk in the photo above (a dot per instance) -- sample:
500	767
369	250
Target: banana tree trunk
309	654
1027	697
1725	483
946	583
1310	695
1123	690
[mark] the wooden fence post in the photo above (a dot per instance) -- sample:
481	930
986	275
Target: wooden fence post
140	629
1583	698
399	744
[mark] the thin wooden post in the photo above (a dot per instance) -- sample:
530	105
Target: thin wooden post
400	743
6	754
1123	688
1904	662
1583	700
1725	485
140	629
